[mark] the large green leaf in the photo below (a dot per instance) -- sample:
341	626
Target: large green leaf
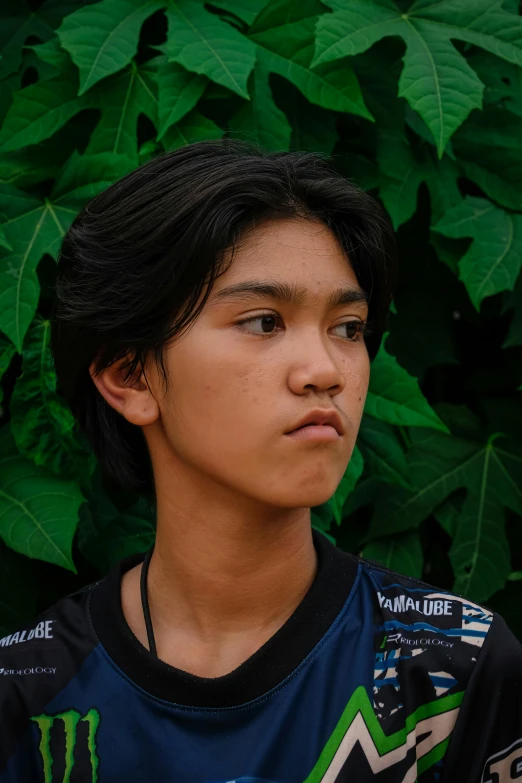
402	553
502	81
491	472
193	127
20	22
311	131
284	33
103	38
346	485
494	260
260	120
394	396
51	53
436	80
404	171
382	451
41	424
441	177
178	92
247	10
489	152
121	99
34	227
107	535
84	176
40	110
38	510
203	43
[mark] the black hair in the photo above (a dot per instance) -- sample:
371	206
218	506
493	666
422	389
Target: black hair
139	255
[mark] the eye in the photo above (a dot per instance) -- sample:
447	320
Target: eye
266	321
354	329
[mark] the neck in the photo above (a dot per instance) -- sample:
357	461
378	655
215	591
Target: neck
222	582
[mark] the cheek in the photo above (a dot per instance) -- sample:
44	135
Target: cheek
218	397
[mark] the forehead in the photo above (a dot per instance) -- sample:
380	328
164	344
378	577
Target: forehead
297	249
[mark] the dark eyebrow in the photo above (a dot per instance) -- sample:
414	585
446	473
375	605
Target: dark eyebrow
284	292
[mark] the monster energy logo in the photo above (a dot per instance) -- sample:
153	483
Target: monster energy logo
70	720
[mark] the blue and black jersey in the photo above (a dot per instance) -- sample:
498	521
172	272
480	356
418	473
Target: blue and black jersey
375	677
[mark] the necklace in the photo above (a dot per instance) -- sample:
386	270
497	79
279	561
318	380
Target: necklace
145	602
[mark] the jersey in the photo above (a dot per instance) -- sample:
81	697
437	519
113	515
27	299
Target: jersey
374	677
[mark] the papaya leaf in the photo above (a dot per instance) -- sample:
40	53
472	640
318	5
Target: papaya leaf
103	38
394	396
491	472
121	99
39	110
349	480
402	553
34	227
178	92
20	22
203	43
494	260
84	176
260	120
284	34
404	171
246	10
382	452
489	153
310	131
107	535
193	127
41	424
52	54
436	80
38	510
502	81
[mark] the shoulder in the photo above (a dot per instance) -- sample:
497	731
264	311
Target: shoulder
56	625
416	610
37	661
49	648
437	641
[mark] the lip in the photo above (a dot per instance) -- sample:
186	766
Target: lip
319	422
317	433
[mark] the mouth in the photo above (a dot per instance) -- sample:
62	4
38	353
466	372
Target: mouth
315	433
319	424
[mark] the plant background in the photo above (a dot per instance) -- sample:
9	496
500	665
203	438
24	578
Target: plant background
421	104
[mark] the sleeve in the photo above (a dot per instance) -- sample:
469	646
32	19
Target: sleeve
486	743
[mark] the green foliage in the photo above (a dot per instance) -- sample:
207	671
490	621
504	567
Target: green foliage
421	104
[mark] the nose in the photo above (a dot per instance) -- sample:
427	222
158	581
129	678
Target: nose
314	365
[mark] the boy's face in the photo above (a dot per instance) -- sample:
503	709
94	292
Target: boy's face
235	390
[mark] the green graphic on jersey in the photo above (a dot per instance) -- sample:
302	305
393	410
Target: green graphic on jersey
358	723
70	721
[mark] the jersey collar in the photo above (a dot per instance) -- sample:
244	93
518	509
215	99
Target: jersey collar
261	672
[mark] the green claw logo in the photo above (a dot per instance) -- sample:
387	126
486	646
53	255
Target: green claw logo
70	720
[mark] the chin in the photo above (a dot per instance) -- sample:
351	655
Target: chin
304	497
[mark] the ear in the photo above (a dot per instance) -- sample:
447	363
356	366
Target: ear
132	399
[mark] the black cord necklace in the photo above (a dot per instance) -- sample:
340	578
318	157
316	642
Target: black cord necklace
145	602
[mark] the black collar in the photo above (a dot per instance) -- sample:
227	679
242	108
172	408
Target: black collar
265	669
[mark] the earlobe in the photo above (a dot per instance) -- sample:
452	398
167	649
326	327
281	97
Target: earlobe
132	398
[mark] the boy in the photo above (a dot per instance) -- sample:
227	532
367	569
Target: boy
217	312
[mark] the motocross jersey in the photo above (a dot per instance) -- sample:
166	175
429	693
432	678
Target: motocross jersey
374	677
